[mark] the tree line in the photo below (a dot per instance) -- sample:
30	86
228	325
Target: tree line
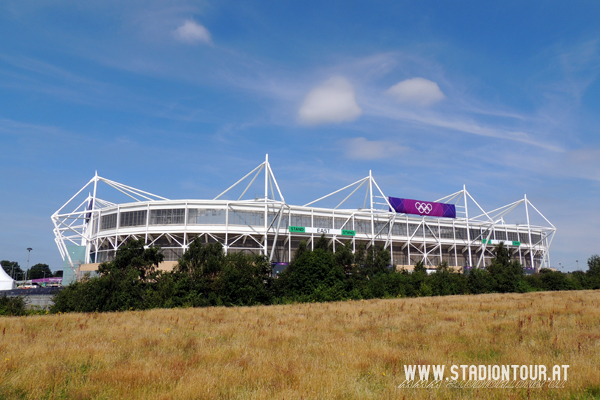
38	271
206	276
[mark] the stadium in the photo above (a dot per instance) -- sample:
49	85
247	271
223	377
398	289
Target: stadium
88	230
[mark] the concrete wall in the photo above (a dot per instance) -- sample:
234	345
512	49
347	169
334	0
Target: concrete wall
43	301
410	268
93	267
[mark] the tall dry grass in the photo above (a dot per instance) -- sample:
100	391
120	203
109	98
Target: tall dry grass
346	350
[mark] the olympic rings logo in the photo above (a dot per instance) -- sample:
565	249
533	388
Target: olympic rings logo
423	208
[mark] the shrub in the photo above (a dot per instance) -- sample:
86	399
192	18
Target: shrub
12	306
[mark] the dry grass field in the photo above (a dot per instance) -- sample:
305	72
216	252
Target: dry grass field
346	350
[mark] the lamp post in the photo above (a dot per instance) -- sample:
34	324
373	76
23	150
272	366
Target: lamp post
28	254
577	261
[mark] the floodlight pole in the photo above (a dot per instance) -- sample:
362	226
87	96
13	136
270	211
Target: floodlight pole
28	254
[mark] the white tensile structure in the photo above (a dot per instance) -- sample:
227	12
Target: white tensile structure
6	282
268	225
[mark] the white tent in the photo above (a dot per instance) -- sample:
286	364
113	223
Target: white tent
6	282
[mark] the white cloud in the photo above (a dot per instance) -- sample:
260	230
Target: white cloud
332	101
362	149
192	32
418	91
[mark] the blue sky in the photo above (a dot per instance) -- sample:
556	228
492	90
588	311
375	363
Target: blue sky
181	98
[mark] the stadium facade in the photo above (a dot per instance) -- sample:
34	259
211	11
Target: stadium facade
412	230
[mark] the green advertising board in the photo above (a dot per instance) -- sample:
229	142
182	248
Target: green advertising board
322	231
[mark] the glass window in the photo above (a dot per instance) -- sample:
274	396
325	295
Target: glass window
399	229
500	235
431	231
167	217
173	254
108	222
95	228
475	234
461	233
250	218
339	223
362	226
446	232
133	218
206	216
381	228
274	220
415	230
322	222
300	220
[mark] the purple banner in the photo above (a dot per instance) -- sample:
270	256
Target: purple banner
426	208
47	280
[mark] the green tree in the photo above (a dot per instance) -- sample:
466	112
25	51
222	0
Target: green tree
555	280
580	279
194	280
344	257
376	262
446	282
479	281
418	275
302	248
309	271
360	256
506	274
593	272
322	243
425	290
245	280
201	261
124	283
39	271
594	265
13	269
133	256
12	306
389	285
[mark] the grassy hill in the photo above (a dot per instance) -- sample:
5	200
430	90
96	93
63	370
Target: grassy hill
345	350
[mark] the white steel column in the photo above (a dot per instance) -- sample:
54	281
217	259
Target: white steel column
289	236
147	224
408	237
186	214
89	230
454	241
266	243
312	235
371	207
529	233
468	230
226	228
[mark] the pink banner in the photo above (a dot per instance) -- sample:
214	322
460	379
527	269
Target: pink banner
426	208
